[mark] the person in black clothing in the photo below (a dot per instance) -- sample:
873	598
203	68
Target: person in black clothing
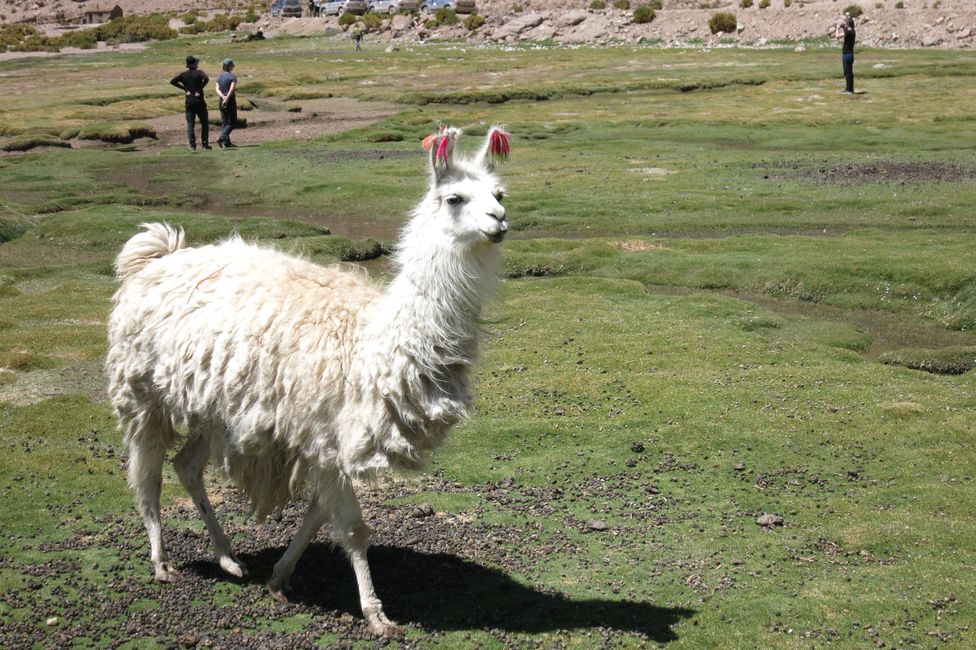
192	81
846	32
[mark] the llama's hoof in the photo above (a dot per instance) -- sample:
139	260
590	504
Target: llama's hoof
233	566
165	572
381	626
278	592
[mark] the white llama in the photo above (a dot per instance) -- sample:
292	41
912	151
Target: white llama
291	373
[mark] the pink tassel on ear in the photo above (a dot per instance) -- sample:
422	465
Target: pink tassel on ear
428	142
498	146
441	155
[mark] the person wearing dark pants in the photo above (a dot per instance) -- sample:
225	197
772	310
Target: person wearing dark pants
192	81
227	91
846	32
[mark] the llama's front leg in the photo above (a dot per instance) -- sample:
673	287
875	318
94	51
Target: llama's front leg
352	534
319	510
189	464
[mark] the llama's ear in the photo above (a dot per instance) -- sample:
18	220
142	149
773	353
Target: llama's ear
441	146
495	148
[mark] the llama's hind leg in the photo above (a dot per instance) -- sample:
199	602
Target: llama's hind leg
350	532
320	509
189	465
149	437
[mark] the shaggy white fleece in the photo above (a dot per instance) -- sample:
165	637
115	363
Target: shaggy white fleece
291	373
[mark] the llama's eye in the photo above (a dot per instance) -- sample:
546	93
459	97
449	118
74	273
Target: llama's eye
500	197
454	199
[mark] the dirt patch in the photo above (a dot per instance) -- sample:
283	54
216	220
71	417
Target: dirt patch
652	173
38	385
272	120
881	171
636	245
436	571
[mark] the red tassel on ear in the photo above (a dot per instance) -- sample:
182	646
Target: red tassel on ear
428	142
498	146
441	155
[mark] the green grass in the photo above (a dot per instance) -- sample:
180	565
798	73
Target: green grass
729	291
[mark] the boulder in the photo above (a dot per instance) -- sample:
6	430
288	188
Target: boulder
401	22
514	28
570	18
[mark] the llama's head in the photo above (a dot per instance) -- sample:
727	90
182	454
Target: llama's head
464	201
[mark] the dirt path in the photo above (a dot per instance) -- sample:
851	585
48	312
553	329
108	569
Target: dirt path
271	120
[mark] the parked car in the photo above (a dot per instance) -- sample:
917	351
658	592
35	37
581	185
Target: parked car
291	9
332	7
459	6
405	6
357	7
383	6
275	9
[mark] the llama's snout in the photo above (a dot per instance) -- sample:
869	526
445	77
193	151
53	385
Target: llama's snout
502	226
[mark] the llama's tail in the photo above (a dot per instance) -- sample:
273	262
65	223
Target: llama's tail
158	240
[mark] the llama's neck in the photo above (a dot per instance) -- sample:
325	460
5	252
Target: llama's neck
431	308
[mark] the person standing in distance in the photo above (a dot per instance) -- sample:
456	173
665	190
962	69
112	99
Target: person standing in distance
192	81
846	32
227	90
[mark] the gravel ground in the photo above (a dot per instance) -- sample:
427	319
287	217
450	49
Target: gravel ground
436	572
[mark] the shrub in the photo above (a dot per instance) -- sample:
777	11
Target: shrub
656	5
899	5
763	4
644	14
722	22
372	20
745	4
11	35
598	4
854	11
346	19
473	22
517	9
787	3
621	4
219	23
135	29
446	16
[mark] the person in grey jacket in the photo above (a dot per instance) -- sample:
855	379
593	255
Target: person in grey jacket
227	91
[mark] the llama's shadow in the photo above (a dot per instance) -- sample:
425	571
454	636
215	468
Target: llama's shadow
440	591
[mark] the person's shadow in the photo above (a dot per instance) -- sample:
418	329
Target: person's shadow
440	591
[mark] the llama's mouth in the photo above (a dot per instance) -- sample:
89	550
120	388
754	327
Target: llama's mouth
497	237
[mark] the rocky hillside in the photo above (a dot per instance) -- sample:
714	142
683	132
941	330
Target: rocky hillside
884	23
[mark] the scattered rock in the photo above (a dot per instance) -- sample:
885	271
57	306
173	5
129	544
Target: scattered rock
769	520
422	511
596	525
739	467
